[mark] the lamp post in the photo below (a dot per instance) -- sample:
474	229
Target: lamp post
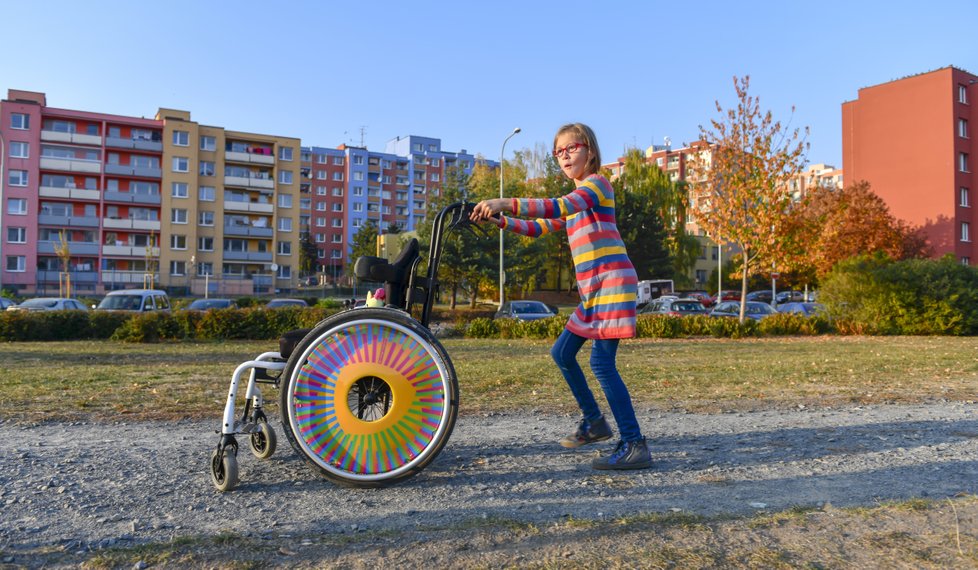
502	273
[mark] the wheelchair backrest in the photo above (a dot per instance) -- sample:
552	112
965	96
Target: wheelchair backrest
395	275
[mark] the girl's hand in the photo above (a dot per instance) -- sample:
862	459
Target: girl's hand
487	208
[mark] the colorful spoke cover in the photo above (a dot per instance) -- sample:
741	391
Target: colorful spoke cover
330	430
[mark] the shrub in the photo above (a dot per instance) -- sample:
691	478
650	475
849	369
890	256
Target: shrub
660	326
793	324
102	324
148	327
481	328
916	296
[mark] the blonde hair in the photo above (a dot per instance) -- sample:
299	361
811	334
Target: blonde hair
586	135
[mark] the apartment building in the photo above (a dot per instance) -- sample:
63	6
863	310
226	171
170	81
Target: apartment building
911	140
342	188
134	202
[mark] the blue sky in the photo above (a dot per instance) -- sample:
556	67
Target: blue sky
469	72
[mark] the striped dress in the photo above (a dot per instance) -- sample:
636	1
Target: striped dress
606	278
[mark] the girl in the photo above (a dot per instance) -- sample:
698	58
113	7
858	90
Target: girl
607	284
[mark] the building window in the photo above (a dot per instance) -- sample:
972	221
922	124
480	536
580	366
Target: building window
16	235
206	193
336	254
963	94
19	150
205	244
205	218
358	207
965	231
20	121
357	159
338	223
338	176
205	268
337	238
285	200
178	268
358	176
338	160
181	138
206	168
963	128
178	242
17	206
965	261
285	153
285	248
701	276
320	175
178	216
179	190
337	191
320	238
285	177
965	197
285	272
181	164
337	207
16	263
435	177
208	143
963	162
17	178
285	224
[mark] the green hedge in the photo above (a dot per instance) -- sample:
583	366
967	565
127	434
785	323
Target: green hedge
876	295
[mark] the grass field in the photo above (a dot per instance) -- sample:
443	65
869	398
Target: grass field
71	380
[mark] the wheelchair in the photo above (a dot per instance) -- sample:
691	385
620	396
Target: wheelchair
368	397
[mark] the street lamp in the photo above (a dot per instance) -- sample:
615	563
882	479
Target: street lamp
502	273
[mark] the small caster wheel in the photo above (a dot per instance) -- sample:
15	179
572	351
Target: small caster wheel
224	470
263	441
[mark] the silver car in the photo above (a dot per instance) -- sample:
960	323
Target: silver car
49	304
524	311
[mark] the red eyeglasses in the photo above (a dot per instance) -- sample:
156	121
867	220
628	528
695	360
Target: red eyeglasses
572	148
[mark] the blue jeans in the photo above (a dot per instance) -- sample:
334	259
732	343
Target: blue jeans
603	352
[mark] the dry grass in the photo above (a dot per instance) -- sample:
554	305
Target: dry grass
67	380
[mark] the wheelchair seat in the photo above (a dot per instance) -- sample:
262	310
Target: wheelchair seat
288	341
395	275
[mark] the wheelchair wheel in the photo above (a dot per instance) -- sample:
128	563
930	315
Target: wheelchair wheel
370	398
224	469
263	441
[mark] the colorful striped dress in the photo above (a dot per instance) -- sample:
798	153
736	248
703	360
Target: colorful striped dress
606	278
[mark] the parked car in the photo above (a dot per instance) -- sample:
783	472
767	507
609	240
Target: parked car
674	307
524	310
791	297
701	296
726	295
755	310
761	296
49	304
135	301
280	303
205	304
807	309
6	303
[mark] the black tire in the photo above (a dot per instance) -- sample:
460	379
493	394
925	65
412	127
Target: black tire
224	470
263	441
369	397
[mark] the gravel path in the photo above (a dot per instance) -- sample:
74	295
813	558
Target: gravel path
82	486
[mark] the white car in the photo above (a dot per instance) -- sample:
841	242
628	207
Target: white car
49	304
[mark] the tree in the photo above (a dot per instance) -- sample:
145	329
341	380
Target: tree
308	254
651	214
741	184
839	224
364	243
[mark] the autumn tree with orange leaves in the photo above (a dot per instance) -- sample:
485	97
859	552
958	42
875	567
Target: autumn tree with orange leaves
839	224
740	188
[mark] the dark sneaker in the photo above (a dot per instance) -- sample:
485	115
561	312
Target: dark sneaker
588	433
627	455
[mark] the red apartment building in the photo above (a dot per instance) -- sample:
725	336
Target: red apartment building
911	140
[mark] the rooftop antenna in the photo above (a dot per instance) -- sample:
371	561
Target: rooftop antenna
363	131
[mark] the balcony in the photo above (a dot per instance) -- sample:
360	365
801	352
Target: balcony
248	231
110	276
129	250
130	224
66	221
74	138
74	247
258	207
130	170
139	144
247	157
76	276
64	192
129	197
247	256
249	182
68	165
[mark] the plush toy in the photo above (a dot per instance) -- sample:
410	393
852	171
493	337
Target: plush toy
376	299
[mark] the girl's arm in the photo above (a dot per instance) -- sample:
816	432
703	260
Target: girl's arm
594	191
531	228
